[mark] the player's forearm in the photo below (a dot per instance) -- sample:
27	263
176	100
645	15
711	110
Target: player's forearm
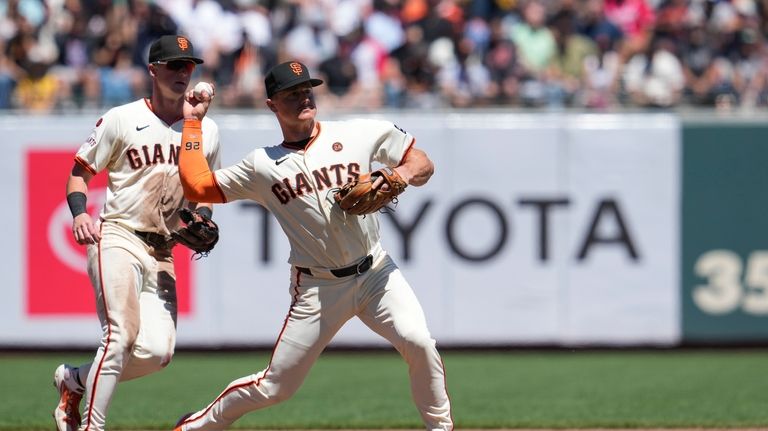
197	180
78	180
76	184
417	168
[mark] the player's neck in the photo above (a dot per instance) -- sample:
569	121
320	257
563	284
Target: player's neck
300	133
167	109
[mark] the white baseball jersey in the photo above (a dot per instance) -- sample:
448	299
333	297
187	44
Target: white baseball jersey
297	187
141	152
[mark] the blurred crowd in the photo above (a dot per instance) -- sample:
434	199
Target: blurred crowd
64	55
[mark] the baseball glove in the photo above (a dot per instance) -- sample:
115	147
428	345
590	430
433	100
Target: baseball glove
358	196
199	234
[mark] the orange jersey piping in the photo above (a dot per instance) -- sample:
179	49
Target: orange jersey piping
85	165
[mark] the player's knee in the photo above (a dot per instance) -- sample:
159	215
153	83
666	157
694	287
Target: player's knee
155	355
161	355
283	393
279	392
417	348
419	341
164	359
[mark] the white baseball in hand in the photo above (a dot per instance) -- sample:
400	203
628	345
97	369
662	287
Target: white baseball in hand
201	87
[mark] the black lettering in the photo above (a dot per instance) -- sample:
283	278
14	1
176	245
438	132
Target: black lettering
322	179
173	155
302	184
289	187
406	230
337	171
266	222
452	220
608	207
353	172
543	206
158	157
145	149
282	195
134	159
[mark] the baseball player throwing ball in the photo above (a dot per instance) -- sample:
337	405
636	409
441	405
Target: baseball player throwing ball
129	248
339	269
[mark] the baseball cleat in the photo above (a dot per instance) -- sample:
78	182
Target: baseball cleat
181	421
67	412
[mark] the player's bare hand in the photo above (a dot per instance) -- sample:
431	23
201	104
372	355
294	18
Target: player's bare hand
196	107
379	182
84	230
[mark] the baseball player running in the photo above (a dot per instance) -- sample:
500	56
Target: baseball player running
339	269
129	248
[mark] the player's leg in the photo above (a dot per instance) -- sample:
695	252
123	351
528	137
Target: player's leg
156	341
70	381
392	310
116	274
153	348
305	334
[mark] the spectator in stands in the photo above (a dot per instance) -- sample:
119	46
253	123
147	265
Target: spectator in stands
311	41
536	47
504	69
434	25
74	62
384	26
697	56
602	75
120	81
635	19
533	39
567	66
464	81
752	65
339	72
654	78
38	91
393	84
593	24
418	71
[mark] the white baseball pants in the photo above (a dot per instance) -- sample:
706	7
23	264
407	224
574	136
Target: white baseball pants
383	300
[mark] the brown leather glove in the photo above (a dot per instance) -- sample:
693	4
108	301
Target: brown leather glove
358	197
199	234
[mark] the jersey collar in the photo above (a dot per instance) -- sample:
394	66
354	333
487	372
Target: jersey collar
304	144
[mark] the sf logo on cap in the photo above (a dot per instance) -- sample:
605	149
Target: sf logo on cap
296	68
183	43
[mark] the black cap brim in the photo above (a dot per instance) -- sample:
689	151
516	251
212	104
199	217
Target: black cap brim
184	57
313	81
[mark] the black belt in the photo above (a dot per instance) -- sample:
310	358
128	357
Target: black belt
356	269
155	240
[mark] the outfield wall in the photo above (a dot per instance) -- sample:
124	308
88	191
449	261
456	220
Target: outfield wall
556	229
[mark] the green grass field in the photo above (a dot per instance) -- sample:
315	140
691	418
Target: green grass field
513	389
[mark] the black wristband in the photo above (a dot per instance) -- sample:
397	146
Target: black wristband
77	203
205	212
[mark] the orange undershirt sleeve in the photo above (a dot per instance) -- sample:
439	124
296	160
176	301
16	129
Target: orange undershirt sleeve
197	180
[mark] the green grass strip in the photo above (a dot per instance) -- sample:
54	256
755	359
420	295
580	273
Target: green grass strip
517	389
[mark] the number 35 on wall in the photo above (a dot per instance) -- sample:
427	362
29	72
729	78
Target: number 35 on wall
724	291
